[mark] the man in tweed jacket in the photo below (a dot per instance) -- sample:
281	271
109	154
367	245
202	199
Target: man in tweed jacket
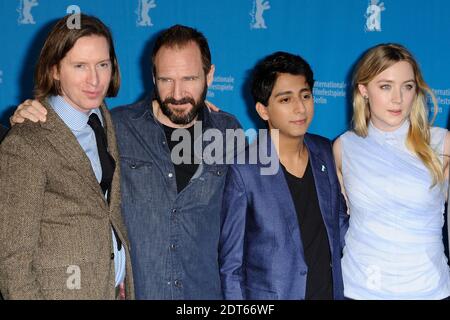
62	235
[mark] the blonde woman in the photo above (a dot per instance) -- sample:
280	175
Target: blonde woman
392	169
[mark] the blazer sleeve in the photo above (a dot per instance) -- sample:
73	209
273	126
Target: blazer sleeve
231	245
343	218
22	183
341	202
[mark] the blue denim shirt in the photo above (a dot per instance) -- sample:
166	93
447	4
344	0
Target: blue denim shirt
174	236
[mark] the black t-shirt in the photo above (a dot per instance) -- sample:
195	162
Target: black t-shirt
319	283
184	171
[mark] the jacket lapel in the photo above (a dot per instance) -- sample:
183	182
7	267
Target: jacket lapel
282	194
114	193
323	188
67	145
110	133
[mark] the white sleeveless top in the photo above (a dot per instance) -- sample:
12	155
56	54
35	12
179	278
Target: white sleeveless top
394	247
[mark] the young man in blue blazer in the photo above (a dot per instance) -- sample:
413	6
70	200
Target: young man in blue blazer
282	230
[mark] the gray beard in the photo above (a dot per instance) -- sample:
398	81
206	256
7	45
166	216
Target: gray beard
185	118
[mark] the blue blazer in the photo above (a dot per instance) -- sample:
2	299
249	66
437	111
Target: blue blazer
261	253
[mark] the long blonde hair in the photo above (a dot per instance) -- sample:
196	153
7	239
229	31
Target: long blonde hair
375	61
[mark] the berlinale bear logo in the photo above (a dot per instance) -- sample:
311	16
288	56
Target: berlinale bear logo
259	6
143	10
24	10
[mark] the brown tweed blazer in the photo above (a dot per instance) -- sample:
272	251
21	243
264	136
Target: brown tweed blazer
55	225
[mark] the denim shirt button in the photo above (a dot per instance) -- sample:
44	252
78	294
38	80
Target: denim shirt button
219	173
170	175
133	166
173	216
172	246
178	283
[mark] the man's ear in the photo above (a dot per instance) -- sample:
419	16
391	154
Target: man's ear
262	111
210	75
55	72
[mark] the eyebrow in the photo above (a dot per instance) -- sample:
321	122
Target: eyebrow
183	77
81	61
192	76
283	93
390	81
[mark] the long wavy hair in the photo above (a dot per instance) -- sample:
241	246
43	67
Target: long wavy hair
375	61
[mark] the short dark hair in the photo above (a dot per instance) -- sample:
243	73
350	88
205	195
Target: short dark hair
179	36
60	41
267	71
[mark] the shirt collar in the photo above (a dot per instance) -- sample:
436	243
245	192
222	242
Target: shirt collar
396	137
73	118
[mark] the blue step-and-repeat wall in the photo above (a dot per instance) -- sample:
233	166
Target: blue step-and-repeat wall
330	34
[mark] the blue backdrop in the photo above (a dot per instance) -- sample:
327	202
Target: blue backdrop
330	34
